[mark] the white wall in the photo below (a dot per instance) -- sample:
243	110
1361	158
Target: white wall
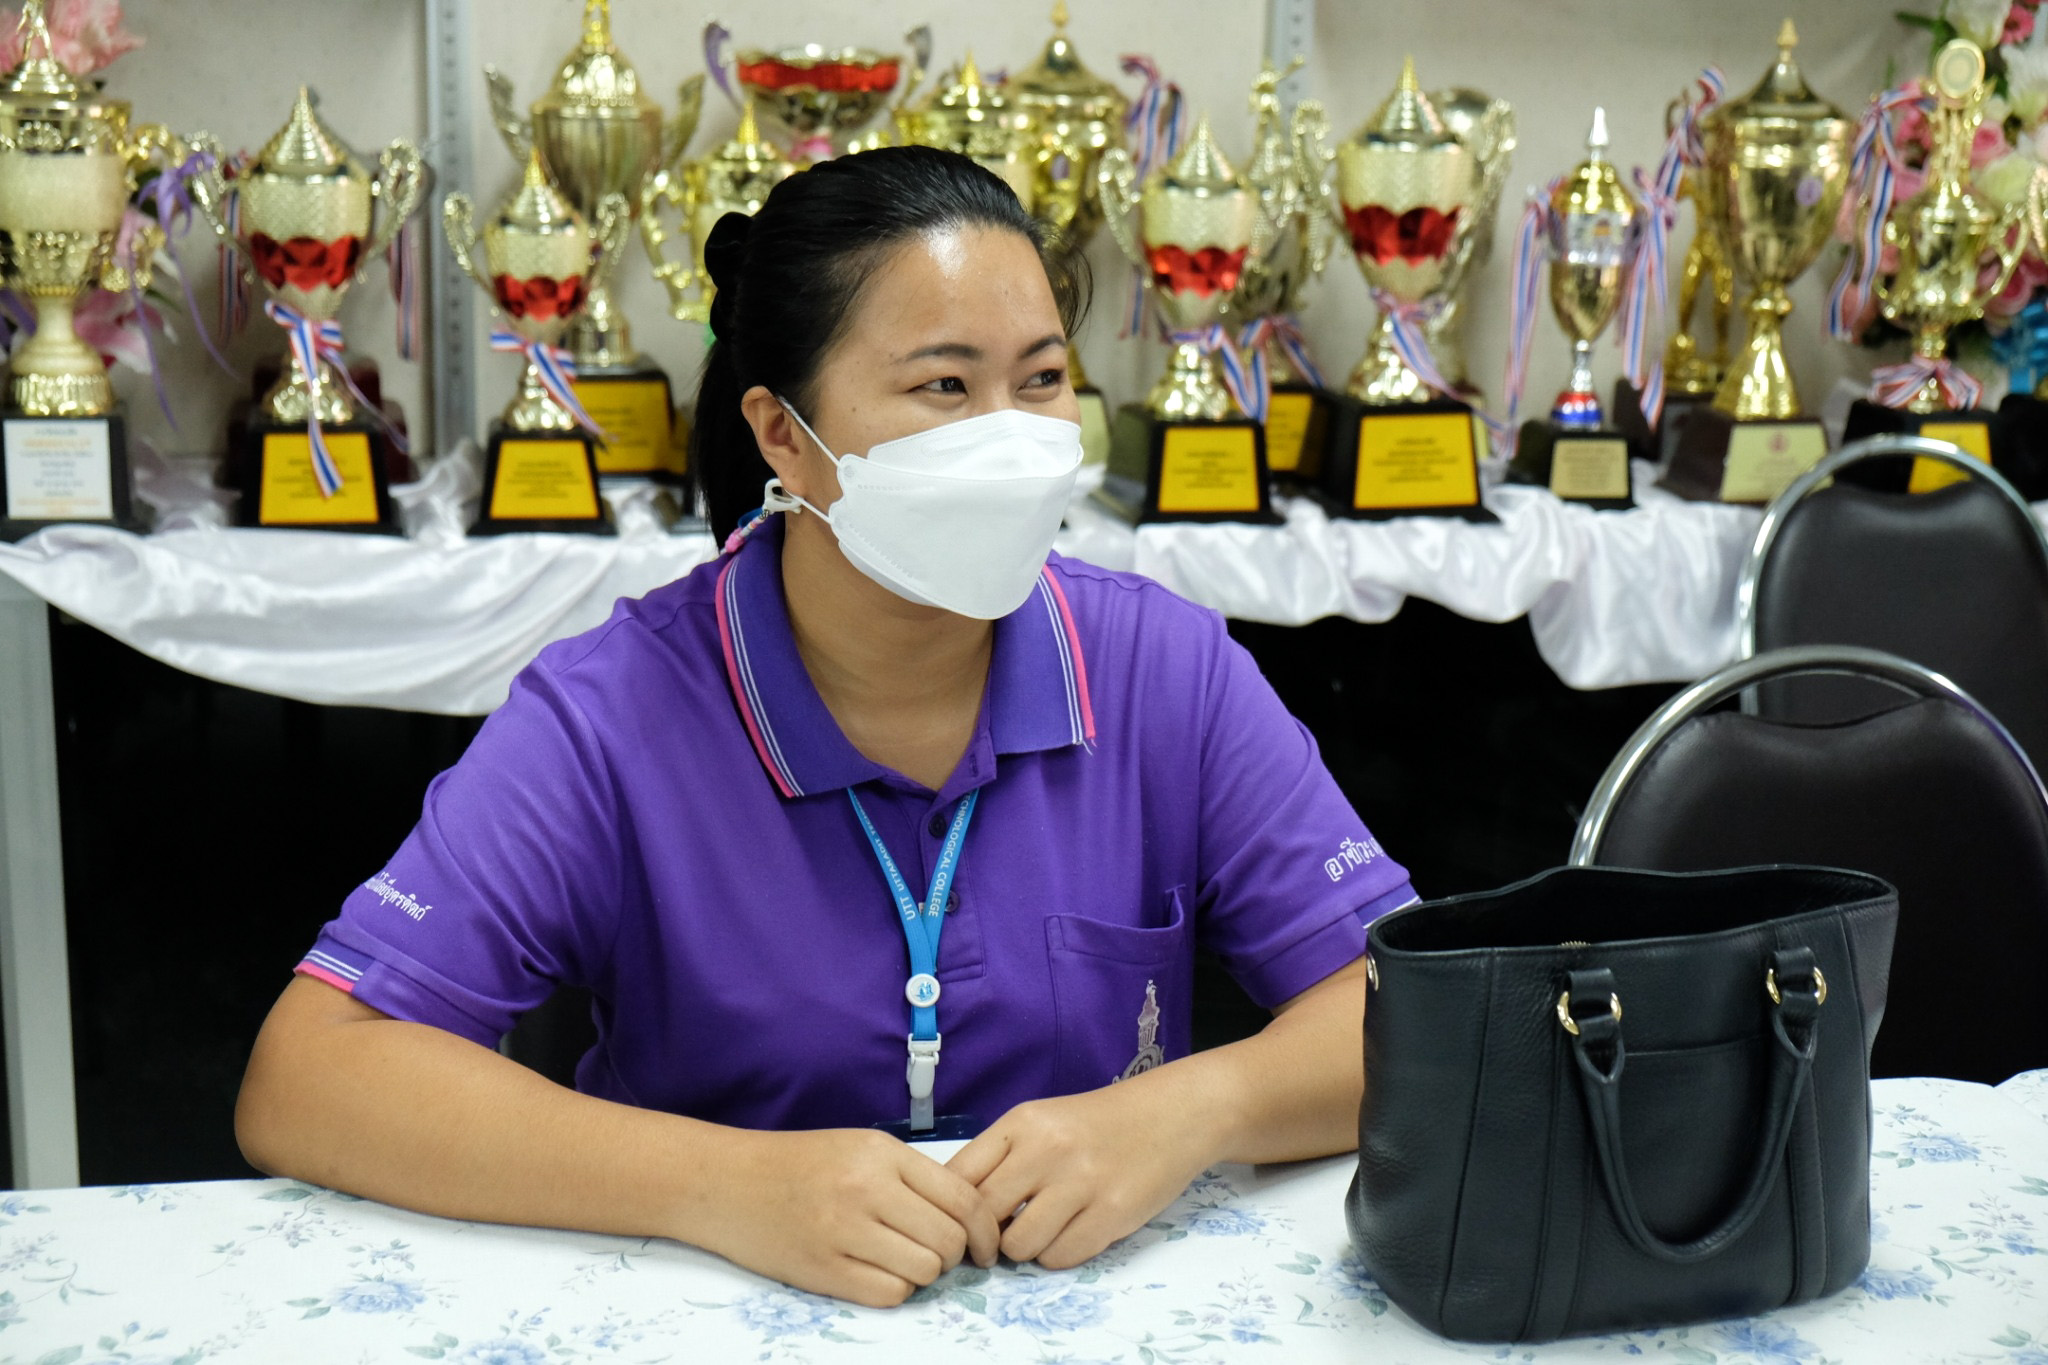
231	66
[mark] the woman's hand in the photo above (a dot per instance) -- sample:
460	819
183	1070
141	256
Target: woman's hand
848	1212
1088	1168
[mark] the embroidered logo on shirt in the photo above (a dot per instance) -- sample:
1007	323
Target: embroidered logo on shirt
1149	1052
1350	854
382	888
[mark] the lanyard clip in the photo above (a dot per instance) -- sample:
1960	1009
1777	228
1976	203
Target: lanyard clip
924	1066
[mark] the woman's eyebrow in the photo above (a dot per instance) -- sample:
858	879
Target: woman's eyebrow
960	350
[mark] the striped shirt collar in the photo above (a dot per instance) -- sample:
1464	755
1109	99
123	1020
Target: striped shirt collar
1037	693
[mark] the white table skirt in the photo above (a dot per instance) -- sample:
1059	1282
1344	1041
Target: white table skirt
439	623
1250	1264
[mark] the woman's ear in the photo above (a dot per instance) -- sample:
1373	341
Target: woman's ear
783	443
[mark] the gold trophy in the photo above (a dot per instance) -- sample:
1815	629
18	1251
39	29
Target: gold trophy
1070	117
1776	163
307	215
1942	235
1487	126
598	134
1406	194
1688	374
538	257
817	94
976	120
735	178
68	164
1587	224
1295	237
1190	452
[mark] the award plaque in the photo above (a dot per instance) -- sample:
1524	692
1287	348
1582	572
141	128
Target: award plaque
636	413
540	481
1187	470
1298	418
62	469
1776	168
1402	460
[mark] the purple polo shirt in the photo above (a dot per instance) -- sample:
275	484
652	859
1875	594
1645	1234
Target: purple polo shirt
659	813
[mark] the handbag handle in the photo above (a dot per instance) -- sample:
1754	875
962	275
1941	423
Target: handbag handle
1795	1013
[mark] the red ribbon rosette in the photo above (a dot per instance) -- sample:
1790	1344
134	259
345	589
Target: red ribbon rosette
539	297
305	263
1419	235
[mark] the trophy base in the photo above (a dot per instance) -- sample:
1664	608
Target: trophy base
1094	426
1185	471
635	408
1588	467
1402	460
1298	418
2019	444
1975	431
541	481
1718	459
58	471
1646	442
272	470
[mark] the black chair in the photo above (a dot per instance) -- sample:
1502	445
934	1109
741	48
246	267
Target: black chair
1955	579
1933	794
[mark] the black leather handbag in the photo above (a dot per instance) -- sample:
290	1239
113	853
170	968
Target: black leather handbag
1602	1099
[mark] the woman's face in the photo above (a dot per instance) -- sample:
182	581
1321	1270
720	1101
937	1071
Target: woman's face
953	324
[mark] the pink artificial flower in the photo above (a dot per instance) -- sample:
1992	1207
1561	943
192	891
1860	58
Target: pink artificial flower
2019	24
1990	145
1912	130
85	35
2026	280
112	324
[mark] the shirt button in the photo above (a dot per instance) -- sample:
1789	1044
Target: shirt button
937	827
952	901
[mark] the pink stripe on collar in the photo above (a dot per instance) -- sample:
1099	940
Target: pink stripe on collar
739	690
1074	646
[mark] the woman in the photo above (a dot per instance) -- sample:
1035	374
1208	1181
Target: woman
749	810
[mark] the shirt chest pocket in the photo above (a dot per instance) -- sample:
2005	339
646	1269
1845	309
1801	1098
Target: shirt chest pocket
1121	995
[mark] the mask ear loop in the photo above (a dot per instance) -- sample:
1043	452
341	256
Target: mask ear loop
774	497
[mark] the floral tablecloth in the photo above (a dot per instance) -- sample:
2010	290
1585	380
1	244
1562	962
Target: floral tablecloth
1250	1264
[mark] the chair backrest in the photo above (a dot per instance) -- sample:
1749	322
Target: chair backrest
1933	795
1956	579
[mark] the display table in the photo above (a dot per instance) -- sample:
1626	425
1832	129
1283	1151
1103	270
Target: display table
439	623
1250	1263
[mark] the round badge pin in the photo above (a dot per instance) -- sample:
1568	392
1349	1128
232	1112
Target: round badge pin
922	989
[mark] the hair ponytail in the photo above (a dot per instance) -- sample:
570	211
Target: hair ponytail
789	277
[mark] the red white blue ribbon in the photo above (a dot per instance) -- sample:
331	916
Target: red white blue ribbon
1283	329
1874	166
1895	385
310	340
1411	342
1213	339
1153	129
1530	235
402	259
1647	300
556	369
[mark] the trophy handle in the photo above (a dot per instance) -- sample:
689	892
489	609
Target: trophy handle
514	127
458	225
1878	286
614	221
1116	186
677	132
2011	244
210	190
920	40
401	182
670	187
1312	161
1495	139
148	239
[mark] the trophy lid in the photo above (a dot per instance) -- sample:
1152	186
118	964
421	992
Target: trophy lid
39	77
1200	168
1407	119
747	151
1059	81
1594	186
306	148
968	97
1272	148
968	115
537	208
594	77
1782	94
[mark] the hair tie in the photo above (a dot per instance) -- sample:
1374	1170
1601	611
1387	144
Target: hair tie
725	249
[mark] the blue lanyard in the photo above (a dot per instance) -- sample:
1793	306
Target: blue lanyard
922	925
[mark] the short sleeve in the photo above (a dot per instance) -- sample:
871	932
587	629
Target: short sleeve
507	886
1290	876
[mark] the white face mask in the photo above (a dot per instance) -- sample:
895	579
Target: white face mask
959	517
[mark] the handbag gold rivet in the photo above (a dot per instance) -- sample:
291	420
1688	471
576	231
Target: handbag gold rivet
1571	1025
1820	986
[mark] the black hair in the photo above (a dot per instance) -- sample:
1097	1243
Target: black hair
789	277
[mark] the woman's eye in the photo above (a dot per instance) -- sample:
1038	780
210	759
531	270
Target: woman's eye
1048	379
950	384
